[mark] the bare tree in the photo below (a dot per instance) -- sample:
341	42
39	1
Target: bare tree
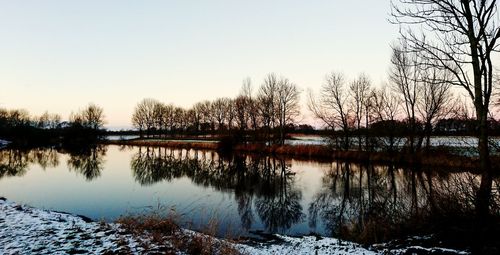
241	108
369	105
18	118
332	105
207	118
405	77
386	107
159	113
180	116
359	89
464	40
49	121
230	114
288	105
143	117
220	111
252	104
42	121
196	116
93	117
267	97
169	117
436	101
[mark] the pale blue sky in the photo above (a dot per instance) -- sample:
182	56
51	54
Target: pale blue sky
61	55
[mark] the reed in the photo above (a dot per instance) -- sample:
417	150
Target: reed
161	234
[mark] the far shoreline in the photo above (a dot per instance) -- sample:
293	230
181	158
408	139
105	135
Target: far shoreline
436	158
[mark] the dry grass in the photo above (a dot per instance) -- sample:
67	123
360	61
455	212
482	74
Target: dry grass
170	144
161	234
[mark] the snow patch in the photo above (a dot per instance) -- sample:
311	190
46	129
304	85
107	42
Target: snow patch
26	230
306	245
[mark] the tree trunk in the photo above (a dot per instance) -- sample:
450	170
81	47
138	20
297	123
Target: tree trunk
367	145
412	134
428	138
359	134
484	192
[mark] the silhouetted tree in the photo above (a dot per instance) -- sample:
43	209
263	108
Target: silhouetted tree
436	100
288	107
93	117
405	76
386	107
332	105
220	110
267	98
143	117
464	37
360	89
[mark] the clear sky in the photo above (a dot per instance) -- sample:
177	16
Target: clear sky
61	55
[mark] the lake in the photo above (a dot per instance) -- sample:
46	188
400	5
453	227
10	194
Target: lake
245	195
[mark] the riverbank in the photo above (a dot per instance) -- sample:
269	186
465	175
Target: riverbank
437	158
27	230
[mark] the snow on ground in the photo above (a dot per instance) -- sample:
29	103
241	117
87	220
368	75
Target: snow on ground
306	245
27	230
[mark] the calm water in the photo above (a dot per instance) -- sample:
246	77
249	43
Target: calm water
243	194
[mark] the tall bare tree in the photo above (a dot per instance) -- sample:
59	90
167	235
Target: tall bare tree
267	97
169	117
220	111
252	104
159	113
405	76
332	105
360	89
242	109
288	95
230	114
93	117
436	100
50	121
143	117
386	107
464	39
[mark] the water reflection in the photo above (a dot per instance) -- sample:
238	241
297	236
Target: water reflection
16	162
87	161
362	202
263	185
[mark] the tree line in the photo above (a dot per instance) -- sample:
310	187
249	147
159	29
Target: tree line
271	111
21	127
415	102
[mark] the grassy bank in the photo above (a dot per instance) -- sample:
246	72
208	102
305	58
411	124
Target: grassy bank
180	144
436	158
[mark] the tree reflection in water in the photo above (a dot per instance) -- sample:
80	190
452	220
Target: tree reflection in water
16	162
370	203
262	185
87	161
278	202
362	202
